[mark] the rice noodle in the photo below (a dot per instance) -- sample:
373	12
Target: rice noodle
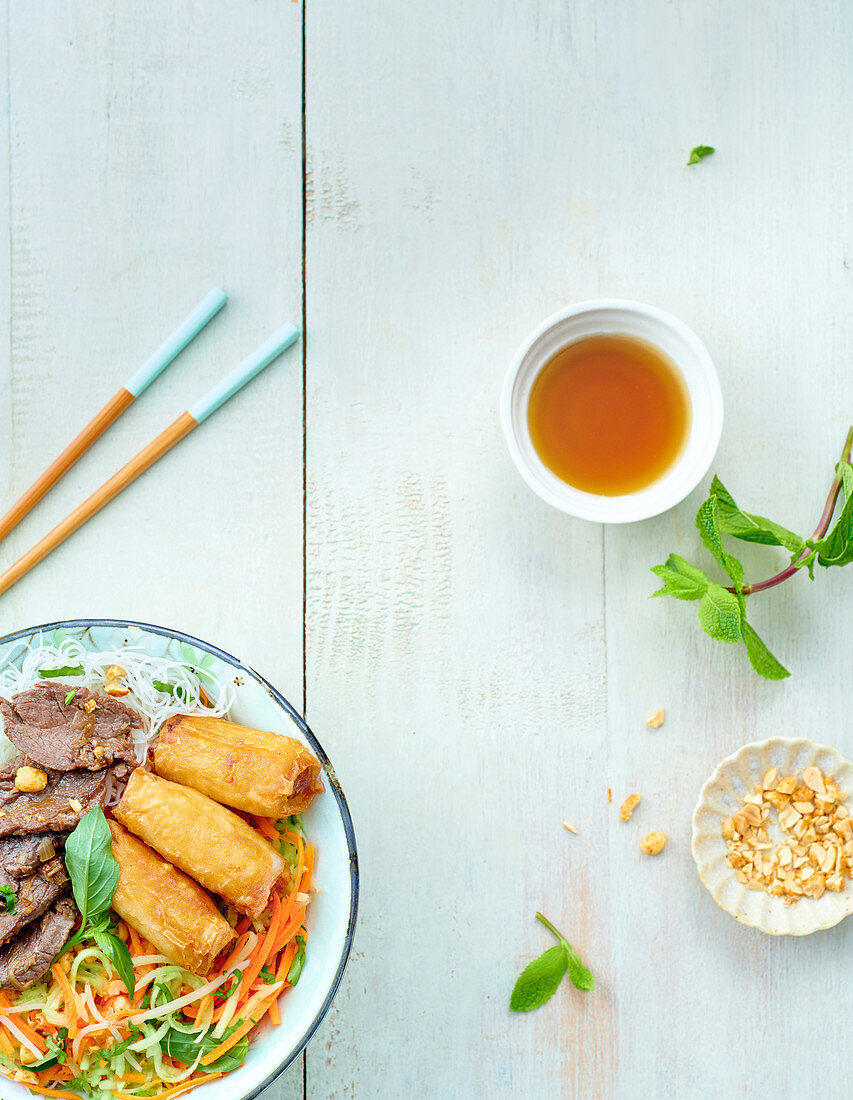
23	663
19	1035
173	1006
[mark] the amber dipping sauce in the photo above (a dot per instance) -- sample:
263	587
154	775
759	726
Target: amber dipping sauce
609	414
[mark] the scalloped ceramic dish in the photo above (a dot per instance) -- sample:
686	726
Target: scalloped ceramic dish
722	796
332	913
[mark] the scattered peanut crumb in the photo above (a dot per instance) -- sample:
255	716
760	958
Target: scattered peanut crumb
628	806
114	672
568	825
816	853
89	706
654	843
30	779
75	804
609	795
656	719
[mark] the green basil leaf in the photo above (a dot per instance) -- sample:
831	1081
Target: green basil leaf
749	528
168	689
720	614
91	865
760	657
538	982
118	954
581	978
56	1052
66	670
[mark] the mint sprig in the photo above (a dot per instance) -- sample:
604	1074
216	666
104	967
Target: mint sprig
722	610
698	152
539	980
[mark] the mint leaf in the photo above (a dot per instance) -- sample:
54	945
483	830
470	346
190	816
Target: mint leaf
9	897
581	977
708	526
749	528
681	579
720	614
836	547
698	152
760	657
538	982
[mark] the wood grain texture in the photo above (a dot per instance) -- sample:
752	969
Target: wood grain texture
473	167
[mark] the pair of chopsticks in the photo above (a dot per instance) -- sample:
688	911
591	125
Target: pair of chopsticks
196	414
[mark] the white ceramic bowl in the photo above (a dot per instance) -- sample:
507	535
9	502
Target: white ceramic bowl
675	339
332	913
722	796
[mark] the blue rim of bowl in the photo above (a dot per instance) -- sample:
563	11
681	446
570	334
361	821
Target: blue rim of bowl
346	817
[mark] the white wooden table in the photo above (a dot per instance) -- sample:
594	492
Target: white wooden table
478	666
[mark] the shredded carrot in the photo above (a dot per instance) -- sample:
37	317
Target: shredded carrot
134	1078
52	1092
264	948
6	1045
267	828
233	1038
275	1015
32	1035
305	885
286	961
234	956
68	997
185	1087
135	944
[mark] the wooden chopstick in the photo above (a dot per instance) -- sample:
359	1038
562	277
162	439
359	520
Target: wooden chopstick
165	441
151	369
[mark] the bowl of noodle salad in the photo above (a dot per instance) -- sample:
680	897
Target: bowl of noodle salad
113	1016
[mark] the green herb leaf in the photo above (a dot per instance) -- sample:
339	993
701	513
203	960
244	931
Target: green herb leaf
267	976
9	896
681	579
70	696
539	980
220	995
836	548
581	977
181	1046
91	865
118	954
56	1052
708	526
698	152
760	657
296	967
720	614
749	528
160	686
66	670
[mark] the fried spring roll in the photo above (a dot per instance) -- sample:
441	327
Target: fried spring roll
260	773
209	843
166	907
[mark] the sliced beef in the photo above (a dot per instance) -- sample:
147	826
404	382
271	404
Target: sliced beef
19	855
33	896
57	808
63	736
28	958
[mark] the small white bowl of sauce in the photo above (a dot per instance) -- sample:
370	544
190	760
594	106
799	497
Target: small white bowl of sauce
612	410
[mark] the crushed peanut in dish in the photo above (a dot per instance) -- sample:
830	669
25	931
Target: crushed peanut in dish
817	850
657	719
